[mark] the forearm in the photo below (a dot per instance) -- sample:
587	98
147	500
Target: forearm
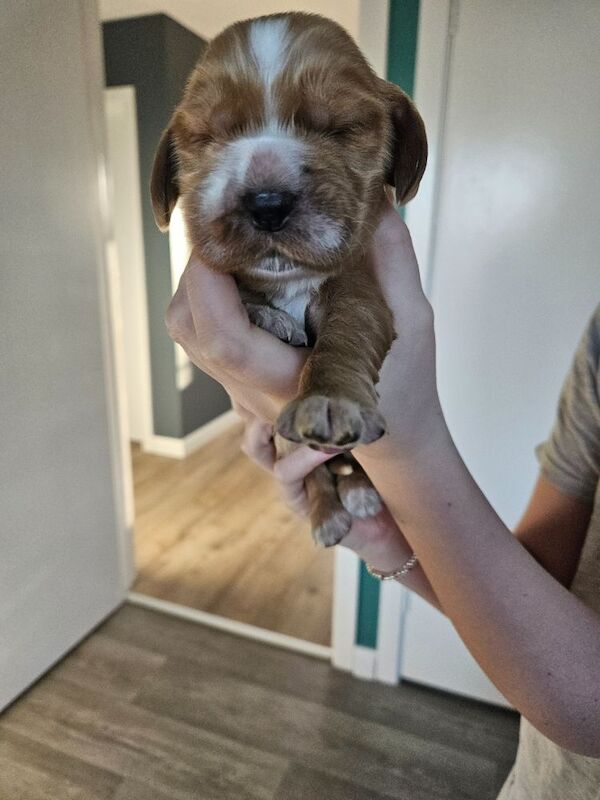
418	582
537	642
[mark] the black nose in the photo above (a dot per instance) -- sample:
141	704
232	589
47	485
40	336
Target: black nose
269	210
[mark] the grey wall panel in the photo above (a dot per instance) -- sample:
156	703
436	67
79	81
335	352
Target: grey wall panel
156	54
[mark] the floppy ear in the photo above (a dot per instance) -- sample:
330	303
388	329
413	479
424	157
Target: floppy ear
164	188
409	145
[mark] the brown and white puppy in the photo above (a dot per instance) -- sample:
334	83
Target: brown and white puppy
281	151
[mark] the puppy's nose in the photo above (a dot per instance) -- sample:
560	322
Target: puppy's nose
269	210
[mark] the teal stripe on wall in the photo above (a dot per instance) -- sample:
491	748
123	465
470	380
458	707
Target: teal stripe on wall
368	609
401	62
402	43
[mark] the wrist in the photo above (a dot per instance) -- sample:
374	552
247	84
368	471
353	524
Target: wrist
379	542
420	446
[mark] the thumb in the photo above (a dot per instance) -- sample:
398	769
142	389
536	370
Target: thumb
395	265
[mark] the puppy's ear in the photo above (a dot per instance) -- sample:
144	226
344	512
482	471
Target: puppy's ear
164	188
408	156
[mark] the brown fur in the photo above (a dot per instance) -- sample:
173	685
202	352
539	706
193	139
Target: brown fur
358	133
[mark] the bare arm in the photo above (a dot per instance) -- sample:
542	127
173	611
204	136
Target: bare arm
538	642
553	529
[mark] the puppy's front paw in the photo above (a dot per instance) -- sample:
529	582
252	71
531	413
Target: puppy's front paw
332	529
278	323
329	422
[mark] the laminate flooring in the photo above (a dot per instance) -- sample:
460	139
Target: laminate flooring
211	533
151	707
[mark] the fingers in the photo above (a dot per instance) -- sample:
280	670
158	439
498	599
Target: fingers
294	496
298	464
258	443
291	471
227	342
178	318
396	266
253	402
241	410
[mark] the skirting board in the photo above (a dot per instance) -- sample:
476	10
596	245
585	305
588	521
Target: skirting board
231	626
172	447
365	663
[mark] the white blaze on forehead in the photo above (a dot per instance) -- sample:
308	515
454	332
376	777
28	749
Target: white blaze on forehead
269	42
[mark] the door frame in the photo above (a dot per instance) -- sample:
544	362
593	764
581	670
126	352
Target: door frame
123	100
381	663
436	28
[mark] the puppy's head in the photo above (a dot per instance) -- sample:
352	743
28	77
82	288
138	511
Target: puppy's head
281	147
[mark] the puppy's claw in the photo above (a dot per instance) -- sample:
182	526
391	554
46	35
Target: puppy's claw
329	422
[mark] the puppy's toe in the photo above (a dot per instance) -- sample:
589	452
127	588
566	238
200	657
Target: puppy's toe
330	422
332	530
360	500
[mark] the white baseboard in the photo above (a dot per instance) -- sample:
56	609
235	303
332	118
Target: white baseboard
172	447
365	662
232	626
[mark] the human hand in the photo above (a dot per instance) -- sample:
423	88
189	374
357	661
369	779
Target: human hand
377	540
207	318
408	397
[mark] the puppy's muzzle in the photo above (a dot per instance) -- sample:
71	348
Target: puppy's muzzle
269	210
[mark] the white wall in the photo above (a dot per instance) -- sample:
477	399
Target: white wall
61	515
365	20
513	270
209	17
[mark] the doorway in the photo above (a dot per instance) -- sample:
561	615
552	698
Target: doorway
210	533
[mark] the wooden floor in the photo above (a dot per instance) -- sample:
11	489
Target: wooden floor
155	708
212	534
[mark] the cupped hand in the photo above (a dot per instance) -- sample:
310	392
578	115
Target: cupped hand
377	540
207	318
260	373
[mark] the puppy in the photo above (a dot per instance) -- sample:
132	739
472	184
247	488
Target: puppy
282	151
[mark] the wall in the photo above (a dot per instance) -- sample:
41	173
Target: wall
156	55
207	17
401	61
60	571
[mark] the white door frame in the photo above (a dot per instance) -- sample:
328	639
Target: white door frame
364	662
434	49
120	106
379	664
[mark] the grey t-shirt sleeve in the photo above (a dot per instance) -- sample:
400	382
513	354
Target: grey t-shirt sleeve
570	458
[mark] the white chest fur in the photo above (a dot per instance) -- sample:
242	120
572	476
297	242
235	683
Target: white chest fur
294	296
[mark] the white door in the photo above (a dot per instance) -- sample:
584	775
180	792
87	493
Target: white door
62	557
126	216
515	264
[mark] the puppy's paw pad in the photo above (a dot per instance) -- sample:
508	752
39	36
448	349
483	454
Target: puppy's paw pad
330	422
333	529
361	501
